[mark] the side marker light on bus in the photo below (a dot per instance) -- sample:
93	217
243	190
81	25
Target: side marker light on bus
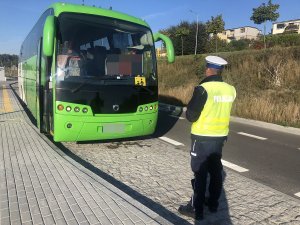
68	108
84	110
146	108
151	107
60	107
140	109
76	109
69	125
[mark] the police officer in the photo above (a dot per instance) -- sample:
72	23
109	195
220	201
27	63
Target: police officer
209	110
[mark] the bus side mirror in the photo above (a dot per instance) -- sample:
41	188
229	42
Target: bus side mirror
48	36
169	45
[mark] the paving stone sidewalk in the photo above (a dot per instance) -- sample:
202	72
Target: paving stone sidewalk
41	185
161	173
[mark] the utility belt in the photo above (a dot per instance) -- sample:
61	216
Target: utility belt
208	138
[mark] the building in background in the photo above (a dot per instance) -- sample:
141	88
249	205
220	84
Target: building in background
247	32
289	26
2	74
161	52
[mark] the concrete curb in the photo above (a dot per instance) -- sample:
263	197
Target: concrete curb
256	123
270	126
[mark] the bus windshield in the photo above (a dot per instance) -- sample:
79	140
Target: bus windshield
98	49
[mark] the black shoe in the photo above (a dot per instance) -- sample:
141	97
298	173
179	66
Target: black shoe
187	210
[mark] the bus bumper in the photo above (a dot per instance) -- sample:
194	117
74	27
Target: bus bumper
73	128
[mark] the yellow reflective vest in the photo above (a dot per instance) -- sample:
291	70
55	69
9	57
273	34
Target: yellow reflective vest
215	116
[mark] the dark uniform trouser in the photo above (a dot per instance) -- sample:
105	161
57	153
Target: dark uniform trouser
206	158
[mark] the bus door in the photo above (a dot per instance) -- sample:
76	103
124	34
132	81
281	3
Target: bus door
39	87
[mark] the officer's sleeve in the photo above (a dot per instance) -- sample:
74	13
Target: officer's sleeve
196	104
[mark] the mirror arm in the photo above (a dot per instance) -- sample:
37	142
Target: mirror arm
169	45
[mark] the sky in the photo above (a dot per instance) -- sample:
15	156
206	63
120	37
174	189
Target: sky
17	17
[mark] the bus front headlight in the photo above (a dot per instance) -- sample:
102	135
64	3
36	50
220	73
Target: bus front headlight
68	108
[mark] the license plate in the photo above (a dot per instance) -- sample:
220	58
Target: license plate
113	128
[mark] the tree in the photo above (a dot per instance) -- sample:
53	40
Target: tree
190	39
265	13
222	45
215	26
181	32
8	60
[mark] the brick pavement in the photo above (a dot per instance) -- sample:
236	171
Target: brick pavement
39	184
161	172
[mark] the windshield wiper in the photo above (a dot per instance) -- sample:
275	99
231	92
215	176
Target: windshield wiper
79	87
145	88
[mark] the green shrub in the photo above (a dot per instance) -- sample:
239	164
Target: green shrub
283	40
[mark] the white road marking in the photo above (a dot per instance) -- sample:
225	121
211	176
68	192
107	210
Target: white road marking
253	136
179	117
298	194
298	148
169	140
234	167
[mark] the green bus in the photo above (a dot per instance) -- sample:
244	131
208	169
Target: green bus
88	73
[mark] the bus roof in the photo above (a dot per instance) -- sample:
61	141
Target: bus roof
60	7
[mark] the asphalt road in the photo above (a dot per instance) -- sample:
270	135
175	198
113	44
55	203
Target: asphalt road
271	157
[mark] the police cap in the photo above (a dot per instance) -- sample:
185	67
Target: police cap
215	62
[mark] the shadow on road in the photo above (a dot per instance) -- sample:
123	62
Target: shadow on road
165	123
154	206
222	216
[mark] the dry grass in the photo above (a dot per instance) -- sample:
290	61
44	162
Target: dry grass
178	95
264	108
267	83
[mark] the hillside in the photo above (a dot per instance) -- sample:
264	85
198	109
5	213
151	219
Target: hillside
267	82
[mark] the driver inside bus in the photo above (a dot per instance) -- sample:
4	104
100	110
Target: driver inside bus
68	61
